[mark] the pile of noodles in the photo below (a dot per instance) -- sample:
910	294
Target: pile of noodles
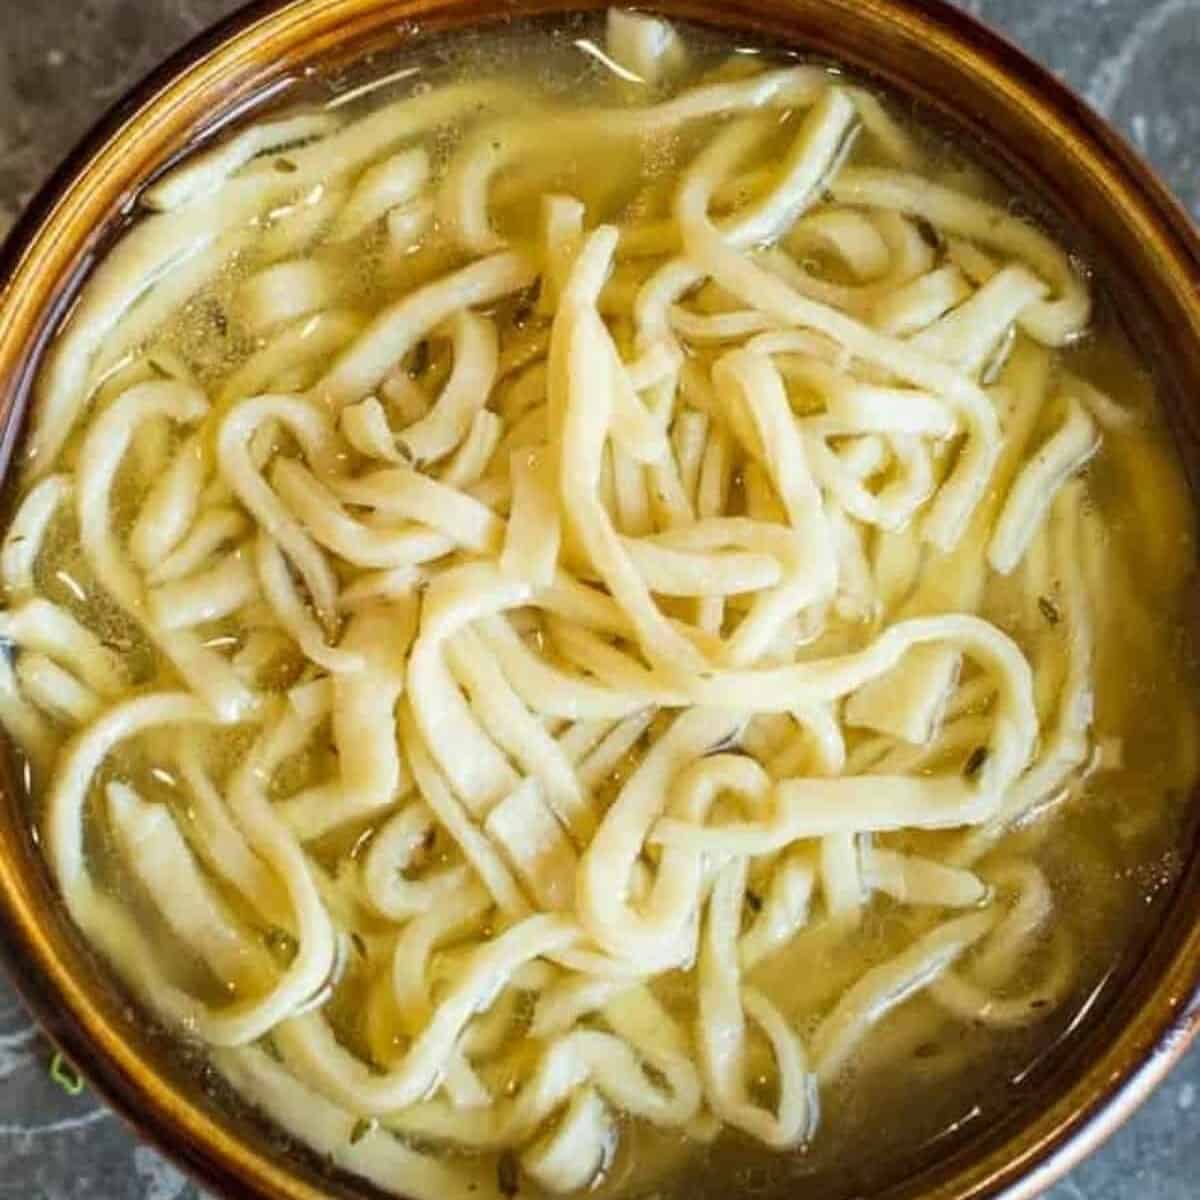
610	592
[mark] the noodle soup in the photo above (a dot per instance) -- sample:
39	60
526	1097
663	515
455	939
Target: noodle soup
598	611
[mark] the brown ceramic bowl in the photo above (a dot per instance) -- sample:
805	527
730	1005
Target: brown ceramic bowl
1114	211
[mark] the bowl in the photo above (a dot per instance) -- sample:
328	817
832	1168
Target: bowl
1120	217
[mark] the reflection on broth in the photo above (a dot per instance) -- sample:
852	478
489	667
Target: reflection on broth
598	611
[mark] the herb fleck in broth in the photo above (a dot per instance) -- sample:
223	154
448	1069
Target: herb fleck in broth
521	801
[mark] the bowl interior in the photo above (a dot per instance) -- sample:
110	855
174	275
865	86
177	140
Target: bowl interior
1105	205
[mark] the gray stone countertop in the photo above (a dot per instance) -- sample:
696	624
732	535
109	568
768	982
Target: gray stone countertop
63	62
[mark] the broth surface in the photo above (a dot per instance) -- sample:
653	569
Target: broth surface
244	783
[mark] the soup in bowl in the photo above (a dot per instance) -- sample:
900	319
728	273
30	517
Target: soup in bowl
595	606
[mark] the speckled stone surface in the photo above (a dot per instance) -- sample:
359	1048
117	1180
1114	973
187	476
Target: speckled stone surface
62	62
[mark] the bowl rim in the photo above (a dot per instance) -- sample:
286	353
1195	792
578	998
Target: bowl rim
158	1111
